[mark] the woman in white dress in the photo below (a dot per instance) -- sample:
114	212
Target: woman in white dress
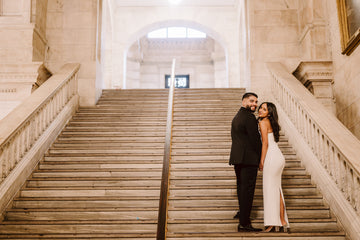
272	164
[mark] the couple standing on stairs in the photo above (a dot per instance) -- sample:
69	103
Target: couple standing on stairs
252	151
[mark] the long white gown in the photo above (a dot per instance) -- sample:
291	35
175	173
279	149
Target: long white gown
273	168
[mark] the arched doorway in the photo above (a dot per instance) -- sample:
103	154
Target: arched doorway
203	60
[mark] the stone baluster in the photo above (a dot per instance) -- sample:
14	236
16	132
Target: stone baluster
20	141
339	167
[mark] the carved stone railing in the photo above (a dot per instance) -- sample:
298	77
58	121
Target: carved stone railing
336	149
28	131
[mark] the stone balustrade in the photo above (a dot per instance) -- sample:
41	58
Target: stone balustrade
27	132
18	136
331	142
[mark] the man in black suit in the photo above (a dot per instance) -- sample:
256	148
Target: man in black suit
245	156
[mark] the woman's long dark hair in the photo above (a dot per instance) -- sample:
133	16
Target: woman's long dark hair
274	119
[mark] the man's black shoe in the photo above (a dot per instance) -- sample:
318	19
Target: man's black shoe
237	215
248	228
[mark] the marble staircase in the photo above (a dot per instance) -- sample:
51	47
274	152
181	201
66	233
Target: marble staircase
203	188
101	178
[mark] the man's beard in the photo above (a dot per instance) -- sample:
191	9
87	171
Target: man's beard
249	108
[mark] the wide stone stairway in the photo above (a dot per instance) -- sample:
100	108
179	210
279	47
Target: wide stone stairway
101	178
203	187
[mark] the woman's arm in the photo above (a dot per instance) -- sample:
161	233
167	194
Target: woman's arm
265	143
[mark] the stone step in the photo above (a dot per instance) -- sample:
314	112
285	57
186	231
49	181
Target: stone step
209	91
175	181
232	182
204	112
175	158
110	138
134	100
68	161
90	192
218	192
213	120
198	174
88	203
84	215
119	123
95	182
120	175
121	118
150	214
217	227
181	174
113	129
118	134
100	145
103	147
181	203
226	203
213	150
106	151
212	215
73	228
158	115
201	166
143	110
100	166
106	159
258	236
206	97
289	163
195	236
133	103
138	183
55	236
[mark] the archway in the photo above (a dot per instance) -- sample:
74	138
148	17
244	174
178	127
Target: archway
212	72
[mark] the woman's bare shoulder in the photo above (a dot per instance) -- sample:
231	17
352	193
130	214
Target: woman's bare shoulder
265	123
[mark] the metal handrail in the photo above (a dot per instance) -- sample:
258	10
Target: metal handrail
164	190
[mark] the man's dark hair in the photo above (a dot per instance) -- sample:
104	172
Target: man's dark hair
248	94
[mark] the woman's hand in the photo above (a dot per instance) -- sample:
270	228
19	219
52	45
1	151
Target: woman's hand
261	166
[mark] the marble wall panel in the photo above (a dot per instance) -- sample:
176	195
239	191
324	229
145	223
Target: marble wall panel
346	76
71	33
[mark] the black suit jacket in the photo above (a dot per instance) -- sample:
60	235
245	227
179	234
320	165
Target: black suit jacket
246	141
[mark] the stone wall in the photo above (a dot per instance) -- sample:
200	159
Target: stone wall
38	17
149	60
274	35
129	24
71	34
23	46
314	31
346	76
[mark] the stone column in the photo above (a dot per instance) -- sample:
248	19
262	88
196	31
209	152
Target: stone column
23	48
316	76
314	32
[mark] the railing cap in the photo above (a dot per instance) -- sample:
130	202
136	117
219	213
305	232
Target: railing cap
340	136
24	110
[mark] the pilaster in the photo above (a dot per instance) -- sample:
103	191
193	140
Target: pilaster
24	45
16	83
317	77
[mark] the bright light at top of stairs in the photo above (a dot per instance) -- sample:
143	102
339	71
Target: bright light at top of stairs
174	2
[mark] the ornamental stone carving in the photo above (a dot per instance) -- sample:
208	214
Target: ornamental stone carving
316	76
